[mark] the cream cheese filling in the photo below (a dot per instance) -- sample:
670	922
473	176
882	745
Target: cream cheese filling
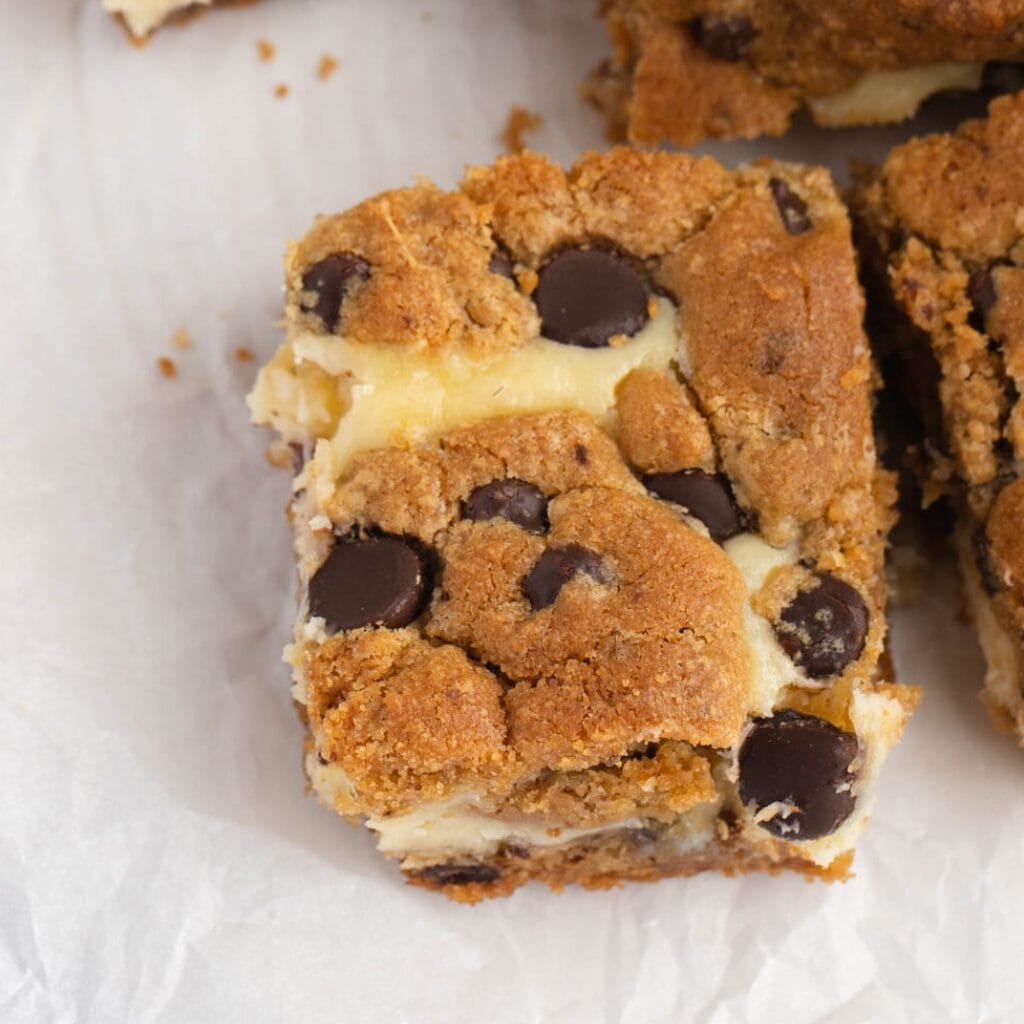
461	826
883	97
392	396
771	669
142	16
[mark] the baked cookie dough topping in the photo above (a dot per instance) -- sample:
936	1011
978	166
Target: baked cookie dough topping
590	530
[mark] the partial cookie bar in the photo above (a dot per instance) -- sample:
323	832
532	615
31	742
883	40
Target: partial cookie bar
589	523
141	17
682	70
942	223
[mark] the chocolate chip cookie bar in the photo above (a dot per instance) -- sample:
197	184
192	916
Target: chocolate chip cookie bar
588	522
943	233
685	69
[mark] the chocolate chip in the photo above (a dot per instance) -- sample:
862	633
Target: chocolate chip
460	874
802	761
375	581
981	290
706	497
724	38
792	209
329	281
990	581
1000	76
823	629
556	567
585	297
501	263
515	500
582	454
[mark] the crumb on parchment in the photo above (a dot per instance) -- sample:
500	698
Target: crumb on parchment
181	339
519	122
168	367
327	66
243	355
281	90
266	50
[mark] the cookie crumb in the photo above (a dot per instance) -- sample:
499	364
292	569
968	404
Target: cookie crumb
281	90
167	367
519	122
265	50
243	355
181	339
327	66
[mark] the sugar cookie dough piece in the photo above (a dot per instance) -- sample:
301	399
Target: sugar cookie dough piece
942	222
589	544
681	70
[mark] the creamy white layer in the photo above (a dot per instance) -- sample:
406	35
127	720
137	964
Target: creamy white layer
462	827
884	97
771	669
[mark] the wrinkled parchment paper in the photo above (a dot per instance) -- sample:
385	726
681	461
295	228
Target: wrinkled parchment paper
158	860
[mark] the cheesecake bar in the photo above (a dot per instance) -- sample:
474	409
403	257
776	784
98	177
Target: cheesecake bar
141	17
588	522
682	70
942	228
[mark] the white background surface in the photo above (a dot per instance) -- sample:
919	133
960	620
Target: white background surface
158	861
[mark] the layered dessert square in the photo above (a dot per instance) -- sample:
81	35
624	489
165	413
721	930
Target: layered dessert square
588	522
141	17
942	222
682	70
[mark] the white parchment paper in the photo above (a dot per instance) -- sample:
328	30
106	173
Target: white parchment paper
158	860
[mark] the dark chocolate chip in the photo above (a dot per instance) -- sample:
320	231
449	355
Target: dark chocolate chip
990	581
724	38
556	567
460	874
582	454
706	497
329	281
999	76
375	581
585	297
515	500
792	209
981	290
803	761
823	629
501	263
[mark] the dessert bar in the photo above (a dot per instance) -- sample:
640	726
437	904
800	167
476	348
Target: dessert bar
942	223
588	522
681	70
